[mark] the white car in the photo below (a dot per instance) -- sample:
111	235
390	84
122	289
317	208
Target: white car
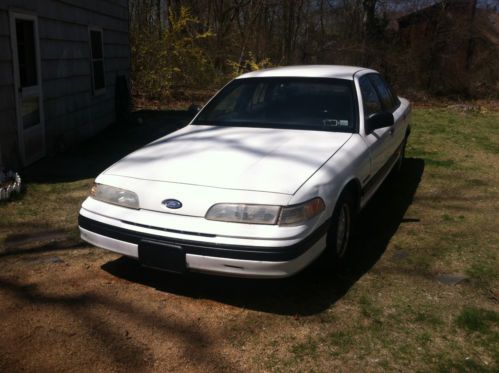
268	175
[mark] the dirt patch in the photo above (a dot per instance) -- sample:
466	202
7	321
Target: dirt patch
70	314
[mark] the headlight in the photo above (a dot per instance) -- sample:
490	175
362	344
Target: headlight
116	196
297	214
266	214
242	213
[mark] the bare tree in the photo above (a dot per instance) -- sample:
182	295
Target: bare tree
430	40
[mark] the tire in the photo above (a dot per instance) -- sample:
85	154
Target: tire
340	229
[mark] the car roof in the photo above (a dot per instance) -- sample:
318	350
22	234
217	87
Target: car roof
309	71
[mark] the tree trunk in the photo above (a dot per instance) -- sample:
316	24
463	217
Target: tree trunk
471	46
368	18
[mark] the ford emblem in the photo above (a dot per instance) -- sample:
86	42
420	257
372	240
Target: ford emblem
172	203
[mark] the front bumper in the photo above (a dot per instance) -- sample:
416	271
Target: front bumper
210	257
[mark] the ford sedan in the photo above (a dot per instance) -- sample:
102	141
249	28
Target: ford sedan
268	176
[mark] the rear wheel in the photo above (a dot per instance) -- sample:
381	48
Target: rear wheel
338	237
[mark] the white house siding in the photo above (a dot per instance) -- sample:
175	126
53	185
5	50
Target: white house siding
72	112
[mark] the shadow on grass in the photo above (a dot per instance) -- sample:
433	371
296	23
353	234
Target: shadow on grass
128	354
317	287
93	156
49	247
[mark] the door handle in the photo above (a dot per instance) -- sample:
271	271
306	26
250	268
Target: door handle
391	131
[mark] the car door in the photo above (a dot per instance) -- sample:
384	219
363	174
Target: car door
378	141
391	104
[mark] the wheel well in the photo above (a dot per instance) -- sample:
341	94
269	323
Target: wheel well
354	187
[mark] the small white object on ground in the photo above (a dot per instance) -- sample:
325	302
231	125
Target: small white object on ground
10	182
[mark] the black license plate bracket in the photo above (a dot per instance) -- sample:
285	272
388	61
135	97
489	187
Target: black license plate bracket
162	256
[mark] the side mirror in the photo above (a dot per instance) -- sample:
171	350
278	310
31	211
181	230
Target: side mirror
379	120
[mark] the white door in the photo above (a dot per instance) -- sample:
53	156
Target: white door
27	78
379	140
391	105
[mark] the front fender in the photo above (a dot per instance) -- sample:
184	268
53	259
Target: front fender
351	163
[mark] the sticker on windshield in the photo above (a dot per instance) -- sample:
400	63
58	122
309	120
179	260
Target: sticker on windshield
343	123
330	122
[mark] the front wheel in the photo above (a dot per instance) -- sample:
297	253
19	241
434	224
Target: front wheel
338	237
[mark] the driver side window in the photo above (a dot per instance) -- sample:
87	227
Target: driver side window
387	99
370	98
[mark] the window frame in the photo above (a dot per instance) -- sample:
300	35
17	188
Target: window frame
100	91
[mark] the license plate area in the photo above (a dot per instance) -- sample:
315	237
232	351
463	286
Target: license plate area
162	256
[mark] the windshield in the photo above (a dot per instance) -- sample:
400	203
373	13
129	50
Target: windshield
303	103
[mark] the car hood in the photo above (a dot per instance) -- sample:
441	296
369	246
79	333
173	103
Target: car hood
244	158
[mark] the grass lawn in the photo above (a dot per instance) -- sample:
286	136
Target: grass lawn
391	308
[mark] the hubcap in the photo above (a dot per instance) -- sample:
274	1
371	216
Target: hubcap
343	230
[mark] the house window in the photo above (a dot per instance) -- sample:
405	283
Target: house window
26	52
97	55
